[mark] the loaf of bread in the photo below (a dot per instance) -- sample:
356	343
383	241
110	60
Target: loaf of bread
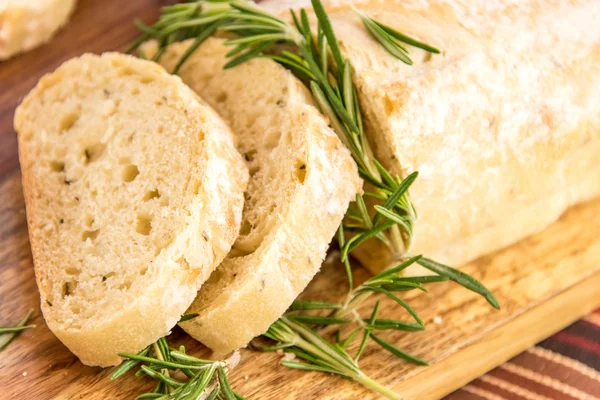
302	180
134	194
27	24
503	126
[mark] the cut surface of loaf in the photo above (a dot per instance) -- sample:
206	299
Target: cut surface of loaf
503	126
27	24
302	180
134	194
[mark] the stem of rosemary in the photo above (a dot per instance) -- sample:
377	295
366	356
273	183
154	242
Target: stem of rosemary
376	387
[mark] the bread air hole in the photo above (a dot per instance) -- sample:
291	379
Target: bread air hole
300	171
68	120
68	288
107	276
144	224
57	166
92	235
72	271
94	152
130	172
88	220
221	97
151	194
250	155
125	285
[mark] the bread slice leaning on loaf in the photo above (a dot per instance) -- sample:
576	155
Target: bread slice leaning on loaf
302	180
134	194
25	24
503	126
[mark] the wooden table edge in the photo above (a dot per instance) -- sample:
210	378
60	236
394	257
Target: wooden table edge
506	341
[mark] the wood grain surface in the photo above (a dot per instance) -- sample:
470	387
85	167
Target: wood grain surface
543	283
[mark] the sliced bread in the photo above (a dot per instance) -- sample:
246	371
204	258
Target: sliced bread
505	132
302	181
27	24
134	194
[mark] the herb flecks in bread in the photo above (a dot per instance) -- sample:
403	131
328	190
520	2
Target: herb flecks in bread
134	193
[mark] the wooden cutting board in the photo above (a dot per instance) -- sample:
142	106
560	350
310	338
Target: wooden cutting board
543	283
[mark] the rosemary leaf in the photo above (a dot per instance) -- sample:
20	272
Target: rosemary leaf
367	332
398	193
309	367
127	365
208	32
313	305
397	352
325	25
150	396
187	317
407	39
398	269
401	302
385	40
318	320
461	278
384	324
8	334
250	54
224	384
424	279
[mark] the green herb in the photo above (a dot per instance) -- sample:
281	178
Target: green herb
9	333
319	61
390	39
313	54
160	362
187	317
321	356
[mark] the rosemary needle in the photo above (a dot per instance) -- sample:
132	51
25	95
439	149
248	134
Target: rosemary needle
158	361
313	54
8	334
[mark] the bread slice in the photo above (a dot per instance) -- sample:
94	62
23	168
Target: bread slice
503	126
27	24
302	180
134	194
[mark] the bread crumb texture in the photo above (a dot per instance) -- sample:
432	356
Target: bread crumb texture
302	180
134	194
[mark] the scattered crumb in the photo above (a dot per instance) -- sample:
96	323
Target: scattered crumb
25	373
332	257
246	377
437	320
289	357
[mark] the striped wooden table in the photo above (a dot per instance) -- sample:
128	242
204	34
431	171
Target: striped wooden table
565	366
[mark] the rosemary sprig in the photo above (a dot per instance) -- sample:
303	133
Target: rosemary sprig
313	54
390	39
320	355
196	377
319	61
386	283
9	333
